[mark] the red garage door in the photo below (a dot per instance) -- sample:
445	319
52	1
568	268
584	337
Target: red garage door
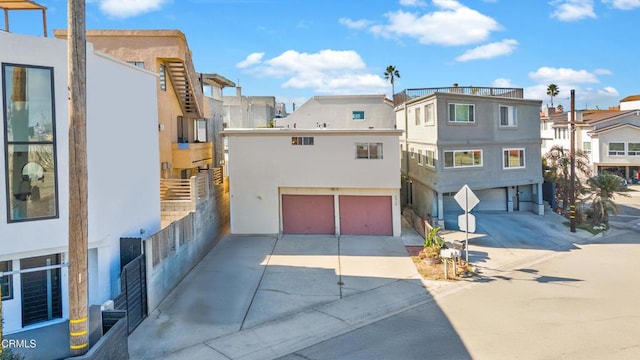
308	214
365	215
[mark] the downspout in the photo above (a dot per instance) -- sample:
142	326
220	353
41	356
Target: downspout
406	143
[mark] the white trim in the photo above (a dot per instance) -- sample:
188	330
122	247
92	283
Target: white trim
444	152
523	157
456	121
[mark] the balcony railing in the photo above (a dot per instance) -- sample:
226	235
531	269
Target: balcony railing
408	94
191	155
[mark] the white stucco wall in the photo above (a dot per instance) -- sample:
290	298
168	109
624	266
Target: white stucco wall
122	156
337	113
263	161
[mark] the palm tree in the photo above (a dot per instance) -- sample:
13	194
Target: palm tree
558	171
553	90
391	73
603	188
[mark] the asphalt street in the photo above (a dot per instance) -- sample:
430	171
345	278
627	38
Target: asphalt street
577	304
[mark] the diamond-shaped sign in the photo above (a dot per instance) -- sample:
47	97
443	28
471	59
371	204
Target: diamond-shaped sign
466	198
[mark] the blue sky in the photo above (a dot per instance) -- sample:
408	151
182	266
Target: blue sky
294	49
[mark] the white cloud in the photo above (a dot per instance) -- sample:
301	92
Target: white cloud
568	79
503	83
573	10
488	51
548	75
412	3
129	8
354	24
326	71
452	24
602	72
251	60
623	4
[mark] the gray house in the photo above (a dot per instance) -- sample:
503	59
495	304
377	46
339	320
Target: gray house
487	138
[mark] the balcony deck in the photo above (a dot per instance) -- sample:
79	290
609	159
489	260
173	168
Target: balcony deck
409	94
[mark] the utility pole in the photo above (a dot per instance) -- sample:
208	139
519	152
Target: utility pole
572	152
78	213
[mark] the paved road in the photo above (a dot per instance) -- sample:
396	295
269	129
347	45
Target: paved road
578	304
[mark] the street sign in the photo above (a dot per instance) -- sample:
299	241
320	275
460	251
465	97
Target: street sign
466	198
465	219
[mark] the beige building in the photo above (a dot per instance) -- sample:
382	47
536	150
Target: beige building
184	114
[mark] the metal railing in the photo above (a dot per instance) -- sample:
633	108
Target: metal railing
408	94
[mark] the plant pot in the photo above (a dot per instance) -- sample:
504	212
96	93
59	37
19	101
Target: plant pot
432	260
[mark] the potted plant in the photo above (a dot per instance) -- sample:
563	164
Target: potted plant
433	243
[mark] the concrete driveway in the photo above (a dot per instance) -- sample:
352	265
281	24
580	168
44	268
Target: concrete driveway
247	281
259	297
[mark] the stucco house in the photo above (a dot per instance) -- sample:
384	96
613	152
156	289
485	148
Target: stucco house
243	111
342	112
122	154
184	117
314	181
487	138
610	138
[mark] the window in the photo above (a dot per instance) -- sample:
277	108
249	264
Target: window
413	154
512	158
616	148
41	291
462	158
429	158
420	159
139	64
461	113
163	78
368	150
417	114
428	114
357	115
6	281
302	140
586	147
634	149
30	167
201	130
507	116
561	133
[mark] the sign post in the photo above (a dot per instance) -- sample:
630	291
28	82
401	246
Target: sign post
467	222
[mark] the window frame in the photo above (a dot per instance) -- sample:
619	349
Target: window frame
454	152
622	152
584	148
453	114
355	115
521	157
430	160
302	141
420	160
429	114
6	281
379	153
633	152
512	119
416	113
54	211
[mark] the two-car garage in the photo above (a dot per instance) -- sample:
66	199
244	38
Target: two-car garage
324	213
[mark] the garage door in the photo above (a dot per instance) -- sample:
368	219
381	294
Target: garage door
308	214
492	199
365	215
